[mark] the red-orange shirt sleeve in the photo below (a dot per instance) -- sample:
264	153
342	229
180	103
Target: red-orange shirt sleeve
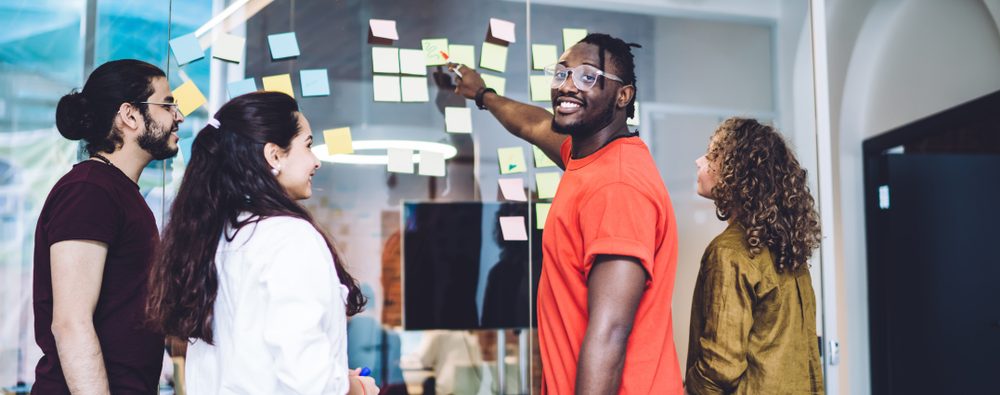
619	220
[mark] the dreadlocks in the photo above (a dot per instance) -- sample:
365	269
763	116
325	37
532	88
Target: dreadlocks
621	55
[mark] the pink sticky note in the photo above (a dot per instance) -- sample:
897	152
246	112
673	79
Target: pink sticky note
502	30
513	228
383	28
513	189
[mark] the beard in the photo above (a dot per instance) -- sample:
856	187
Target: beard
156	140
586	127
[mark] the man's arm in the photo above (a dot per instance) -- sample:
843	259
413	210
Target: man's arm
614	289
77	272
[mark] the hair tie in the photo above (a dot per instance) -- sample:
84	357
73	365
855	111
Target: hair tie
214	123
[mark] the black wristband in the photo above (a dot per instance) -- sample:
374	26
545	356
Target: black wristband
480	94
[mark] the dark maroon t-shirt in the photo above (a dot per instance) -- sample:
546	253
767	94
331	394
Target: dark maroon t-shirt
96	201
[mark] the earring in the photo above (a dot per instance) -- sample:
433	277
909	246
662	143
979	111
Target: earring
276	170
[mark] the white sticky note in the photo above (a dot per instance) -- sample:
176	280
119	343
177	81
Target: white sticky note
431	164
513	189
400	160
542	160
498	84
541	88
385	60
458	119
543	55
462	54
411	61
513	229
432	48
502	30
572	36
414	89
511	160
541	214
547	184
386	88
383	28
493	57
229	48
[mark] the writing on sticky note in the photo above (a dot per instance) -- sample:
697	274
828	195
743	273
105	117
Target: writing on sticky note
241	87
458	120
541	88
432	48
229	48
513	229
541	214
502	30
411	61
383	28
431	164
414	89
541	160
338	141
511	160
400	160
462	54
188	98
634	121
496	83
186	49
572	36
493	57
385	60
543	55
283	45
315	82
512	189
279	83
386	88
547	184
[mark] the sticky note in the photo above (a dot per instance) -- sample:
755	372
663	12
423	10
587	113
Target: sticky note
241	87
543	55
458	120
279	83
572	36
494	57
513	189
502	30
188	98
497	83
462	54
186	49
185	148
541	88
411	61
513	229
400	160
431	164
229	48
338	141
634	121
541	214
385	60
432	51
547	184
541	160
283	45
383	28
386	88
511	160
314	82
414	89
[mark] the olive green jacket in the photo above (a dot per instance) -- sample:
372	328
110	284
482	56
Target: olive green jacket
753	329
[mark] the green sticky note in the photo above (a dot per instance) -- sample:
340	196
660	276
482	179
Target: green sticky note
547	184
462	54
541	88
385	60
543	55
541	214
432	51
634	121
541	160
497	83
572	36
494	57
414	89
386	88
511	160
411	61
458	119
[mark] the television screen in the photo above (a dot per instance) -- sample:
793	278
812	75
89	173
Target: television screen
460	273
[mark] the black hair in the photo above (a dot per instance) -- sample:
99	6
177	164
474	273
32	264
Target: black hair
89	114
621	54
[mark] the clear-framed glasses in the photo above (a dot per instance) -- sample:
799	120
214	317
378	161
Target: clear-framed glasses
172	107
584	76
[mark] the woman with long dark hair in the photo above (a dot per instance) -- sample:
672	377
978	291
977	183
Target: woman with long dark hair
244	272
753	319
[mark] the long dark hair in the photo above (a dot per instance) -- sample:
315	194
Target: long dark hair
763	188
226	176
90	113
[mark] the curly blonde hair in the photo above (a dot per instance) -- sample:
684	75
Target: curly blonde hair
763	188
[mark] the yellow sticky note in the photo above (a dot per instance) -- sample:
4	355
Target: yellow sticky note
188	97
414	89
458	120
511	160
547	184
385	60
572	36
432	50
494	57
338	141
386	88
634	121
462	54
541	88
543	55
541	214
279	83
497	83
541	160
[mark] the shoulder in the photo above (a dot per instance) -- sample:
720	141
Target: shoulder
731	247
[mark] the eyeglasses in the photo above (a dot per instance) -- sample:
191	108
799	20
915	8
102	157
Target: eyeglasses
584	76
172	107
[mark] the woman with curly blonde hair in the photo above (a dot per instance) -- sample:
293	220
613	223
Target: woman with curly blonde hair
753	319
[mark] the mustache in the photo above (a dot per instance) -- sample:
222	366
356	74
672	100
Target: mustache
555	100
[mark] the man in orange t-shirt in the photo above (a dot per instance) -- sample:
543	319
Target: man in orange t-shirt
610	240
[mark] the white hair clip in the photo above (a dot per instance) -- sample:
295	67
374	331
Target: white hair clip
214	123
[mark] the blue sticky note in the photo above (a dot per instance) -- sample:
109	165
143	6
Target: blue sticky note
237	88
186	49
283	45
185	146
314	82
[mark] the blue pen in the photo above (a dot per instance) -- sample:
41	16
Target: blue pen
365	372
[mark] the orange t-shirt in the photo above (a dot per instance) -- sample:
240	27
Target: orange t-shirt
612	202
